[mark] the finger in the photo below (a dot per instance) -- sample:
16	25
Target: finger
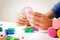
21	20
41	19
25	23
35	22
40	26
35	18
20	15
35	14
19	24
35	25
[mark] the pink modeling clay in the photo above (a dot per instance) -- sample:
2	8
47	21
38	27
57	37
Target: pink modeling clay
51	32
1	35
56	23
25	10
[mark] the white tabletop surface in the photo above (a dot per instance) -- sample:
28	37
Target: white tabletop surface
19	32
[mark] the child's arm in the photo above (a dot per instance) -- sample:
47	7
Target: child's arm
54	12
50	14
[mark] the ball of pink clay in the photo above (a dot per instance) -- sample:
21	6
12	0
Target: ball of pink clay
51	32
56	23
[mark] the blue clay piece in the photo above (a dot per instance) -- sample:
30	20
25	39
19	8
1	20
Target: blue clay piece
9	32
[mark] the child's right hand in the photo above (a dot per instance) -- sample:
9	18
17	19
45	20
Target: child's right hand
21	20
39	20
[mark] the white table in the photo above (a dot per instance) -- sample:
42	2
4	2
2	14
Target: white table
19	32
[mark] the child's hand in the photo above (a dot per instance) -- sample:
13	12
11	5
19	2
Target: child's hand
39	20
21	20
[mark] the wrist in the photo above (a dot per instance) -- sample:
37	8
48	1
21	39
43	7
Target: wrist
50	14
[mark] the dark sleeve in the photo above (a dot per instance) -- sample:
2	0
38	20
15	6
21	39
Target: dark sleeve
56	9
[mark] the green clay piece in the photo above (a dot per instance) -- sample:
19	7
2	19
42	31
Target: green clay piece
14	39
28	30
7	38
0	29
11	29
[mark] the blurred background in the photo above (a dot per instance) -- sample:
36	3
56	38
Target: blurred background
9	8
